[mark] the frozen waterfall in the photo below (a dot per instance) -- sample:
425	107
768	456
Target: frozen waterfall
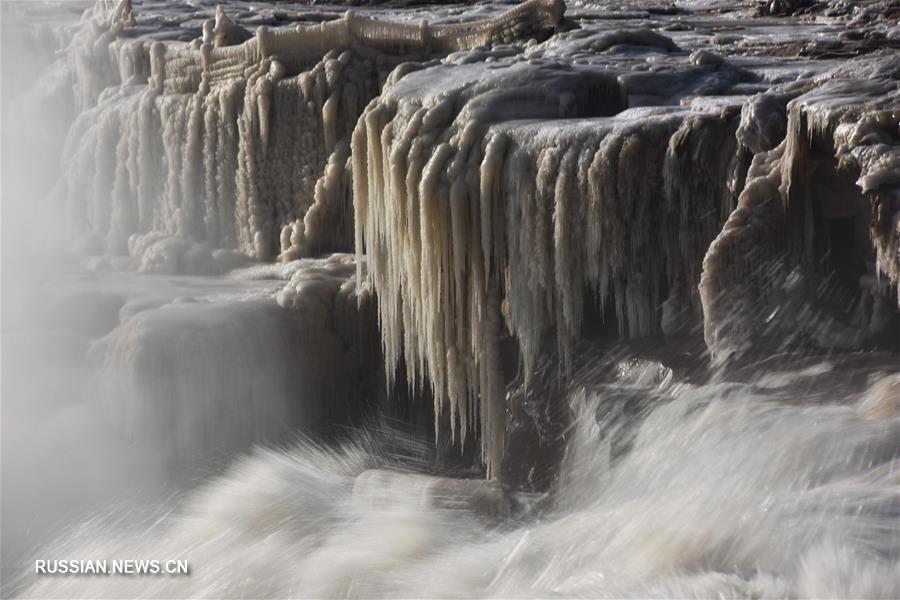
438	300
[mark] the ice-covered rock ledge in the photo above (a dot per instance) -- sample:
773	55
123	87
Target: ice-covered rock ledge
501	192
508	196
233	145
823	191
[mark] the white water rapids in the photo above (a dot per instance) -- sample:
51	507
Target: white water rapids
783	487
725	490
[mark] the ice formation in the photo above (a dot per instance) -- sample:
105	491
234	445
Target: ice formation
535	185
524	190
470	215
845	123
206	166
501	185
228	144
528	190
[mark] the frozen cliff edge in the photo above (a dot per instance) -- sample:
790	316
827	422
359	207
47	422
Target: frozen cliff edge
836	167
466	188
504	198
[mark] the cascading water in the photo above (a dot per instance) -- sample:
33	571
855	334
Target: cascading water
622	318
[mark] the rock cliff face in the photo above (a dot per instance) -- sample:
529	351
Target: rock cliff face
661	171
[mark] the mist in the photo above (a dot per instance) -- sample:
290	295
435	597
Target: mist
121	391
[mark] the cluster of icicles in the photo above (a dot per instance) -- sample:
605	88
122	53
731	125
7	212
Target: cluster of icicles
467	221
481	213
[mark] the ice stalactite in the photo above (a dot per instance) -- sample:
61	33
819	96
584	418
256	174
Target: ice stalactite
760	269
505	199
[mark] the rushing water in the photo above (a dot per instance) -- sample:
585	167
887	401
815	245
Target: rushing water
779	479
786	487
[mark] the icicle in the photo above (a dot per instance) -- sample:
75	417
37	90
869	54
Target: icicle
461	235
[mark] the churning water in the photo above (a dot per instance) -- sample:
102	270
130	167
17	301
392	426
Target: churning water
786	487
